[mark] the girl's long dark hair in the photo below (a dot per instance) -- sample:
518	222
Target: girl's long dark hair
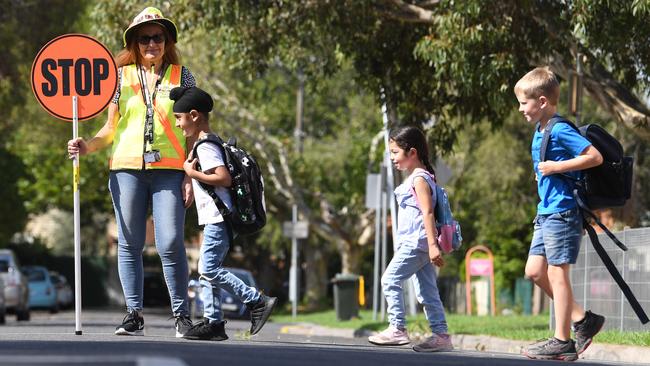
410	137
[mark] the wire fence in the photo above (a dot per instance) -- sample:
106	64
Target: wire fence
595	289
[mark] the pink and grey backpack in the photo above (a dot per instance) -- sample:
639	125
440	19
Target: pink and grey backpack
449	235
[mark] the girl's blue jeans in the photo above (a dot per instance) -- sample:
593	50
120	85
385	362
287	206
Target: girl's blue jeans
133	191
214	277
405	263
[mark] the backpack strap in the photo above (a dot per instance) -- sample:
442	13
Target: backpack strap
412	189
546	138
547	134
209	189
611	267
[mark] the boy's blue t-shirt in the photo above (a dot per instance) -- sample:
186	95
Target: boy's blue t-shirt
556	192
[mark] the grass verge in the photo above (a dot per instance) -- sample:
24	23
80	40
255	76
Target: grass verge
516	327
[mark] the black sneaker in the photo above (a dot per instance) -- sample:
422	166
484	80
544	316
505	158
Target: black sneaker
132	324
552	349
586	329
183	324
260	312
207	331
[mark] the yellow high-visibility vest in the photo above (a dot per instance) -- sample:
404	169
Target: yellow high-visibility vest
129	141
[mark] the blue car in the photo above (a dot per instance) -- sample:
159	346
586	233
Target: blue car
231	306
42	291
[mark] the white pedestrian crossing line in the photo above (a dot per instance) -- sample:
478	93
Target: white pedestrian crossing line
91	359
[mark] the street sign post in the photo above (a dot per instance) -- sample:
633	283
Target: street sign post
295	230
299	229
74	77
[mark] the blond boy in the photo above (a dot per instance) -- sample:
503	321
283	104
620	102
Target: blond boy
558	224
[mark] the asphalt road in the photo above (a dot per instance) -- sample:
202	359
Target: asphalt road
50	340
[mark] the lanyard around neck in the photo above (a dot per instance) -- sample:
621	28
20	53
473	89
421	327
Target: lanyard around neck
149	99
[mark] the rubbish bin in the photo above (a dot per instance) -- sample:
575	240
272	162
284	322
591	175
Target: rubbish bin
346	299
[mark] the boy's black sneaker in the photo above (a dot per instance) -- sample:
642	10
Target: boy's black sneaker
132	324
206	331
586	329
182	324
552	349
260	312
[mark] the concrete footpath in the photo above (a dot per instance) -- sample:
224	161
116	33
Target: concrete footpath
597	351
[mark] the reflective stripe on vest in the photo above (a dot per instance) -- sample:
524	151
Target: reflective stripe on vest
128	144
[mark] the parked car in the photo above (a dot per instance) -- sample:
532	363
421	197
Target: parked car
231	306
16	288
64	295
3	307
42	292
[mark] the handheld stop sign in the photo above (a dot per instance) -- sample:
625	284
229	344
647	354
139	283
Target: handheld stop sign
74	65
74	77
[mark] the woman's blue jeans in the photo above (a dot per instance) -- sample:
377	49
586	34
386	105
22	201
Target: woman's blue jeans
407	262
133	191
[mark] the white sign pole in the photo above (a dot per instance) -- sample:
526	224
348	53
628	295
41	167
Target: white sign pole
378	225
77	242
294	281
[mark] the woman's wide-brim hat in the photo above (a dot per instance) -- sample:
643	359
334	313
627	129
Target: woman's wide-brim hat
150	15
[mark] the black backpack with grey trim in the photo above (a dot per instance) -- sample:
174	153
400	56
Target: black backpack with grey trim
248	213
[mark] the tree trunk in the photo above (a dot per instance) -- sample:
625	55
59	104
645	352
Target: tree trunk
316	280
350	254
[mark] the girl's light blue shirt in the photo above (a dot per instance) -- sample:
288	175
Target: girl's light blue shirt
410	226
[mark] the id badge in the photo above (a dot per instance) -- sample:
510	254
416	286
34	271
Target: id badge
152	156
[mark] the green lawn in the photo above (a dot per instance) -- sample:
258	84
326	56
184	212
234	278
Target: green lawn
518	327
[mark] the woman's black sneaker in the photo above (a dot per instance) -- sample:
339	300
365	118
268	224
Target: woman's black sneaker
182	323
586	329
132	324
552	349
206	331
260	312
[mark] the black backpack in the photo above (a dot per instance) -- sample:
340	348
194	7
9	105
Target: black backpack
606	185
248	213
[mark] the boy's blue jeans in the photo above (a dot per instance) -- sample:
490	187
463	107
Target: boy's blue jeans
132	192
406	262
213	276
557	237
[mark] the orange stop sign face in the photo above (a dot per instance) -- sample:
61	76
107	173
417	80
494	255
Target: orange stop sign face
74	65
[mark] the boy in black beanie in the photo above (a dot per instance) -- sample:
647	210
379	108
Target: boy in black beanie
191	110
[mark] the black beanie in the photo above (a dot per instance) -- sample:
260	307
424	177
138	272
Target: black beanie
185	99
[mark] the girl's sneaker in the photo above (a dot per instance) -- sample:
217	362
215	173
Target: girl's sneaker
391	336
435	343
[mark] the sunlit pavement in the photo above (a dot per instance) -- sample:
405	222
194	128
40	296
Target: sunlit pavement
49	339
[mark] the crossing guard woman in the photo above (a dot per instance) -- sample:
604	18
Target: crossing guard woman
146	164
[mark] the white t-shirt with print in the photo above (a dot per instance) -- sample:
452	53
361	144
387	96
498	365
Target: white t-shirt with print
210	156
